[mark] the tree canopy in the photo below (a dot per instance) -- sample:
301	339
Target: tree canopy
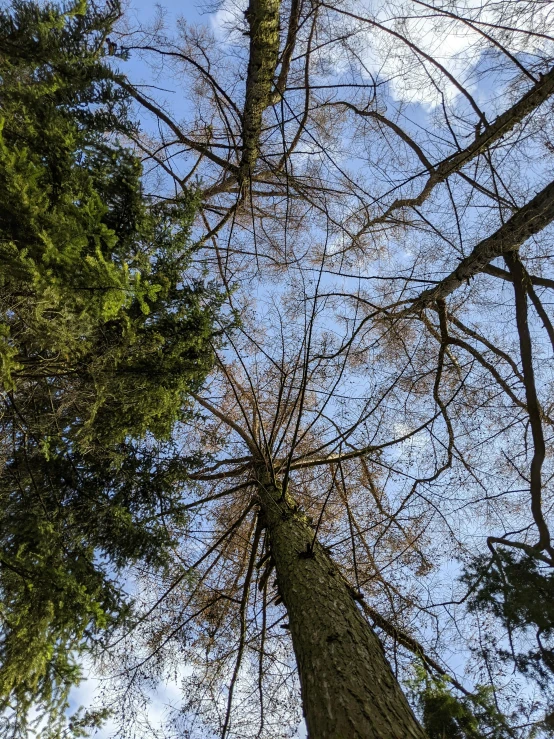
368	539
377	190
105	329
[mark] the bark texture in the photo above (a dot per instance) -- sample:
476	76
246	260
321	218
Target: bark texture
348	688
263	21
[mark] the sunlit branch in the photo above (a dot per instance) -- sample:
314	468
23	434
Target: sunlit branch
526	222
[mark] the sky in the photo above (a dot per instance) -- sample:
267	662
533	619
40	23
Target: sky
450	49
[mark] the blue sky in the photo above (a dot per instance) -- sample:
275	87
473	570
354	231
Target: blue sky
144	12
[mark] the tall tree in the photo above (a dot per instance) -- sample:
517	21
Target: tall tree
104	331
390	382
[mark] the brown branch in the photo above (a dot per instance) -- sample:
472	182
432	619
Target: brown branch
503	275
260	664
543	315
222	463
417	51
187	571
191	143
203	71
409	643
533	408
444	341
288	50
394	127
216	496
505	122
529	550
242	616
527	221
305	461
483	340
474	25
234	472
228	421
490	368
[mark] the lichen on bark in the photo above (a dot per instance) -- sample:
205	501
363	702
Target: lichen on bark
263	22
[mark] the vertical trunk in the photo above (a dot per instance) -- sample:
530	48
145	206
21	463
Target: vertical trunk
348	688
263	23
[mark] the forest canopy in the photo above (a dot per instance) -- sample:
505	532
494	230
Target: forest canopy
317	498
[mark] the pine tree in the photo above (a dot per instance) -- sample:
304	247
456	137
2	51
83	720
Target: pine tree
103	332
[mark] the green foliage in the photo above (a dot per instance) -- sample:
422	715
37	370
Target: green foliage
446	716
103	333
518	589
69	524
92	280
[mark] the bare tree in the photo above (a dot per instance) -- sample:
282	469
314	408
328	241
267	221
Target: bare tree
385	408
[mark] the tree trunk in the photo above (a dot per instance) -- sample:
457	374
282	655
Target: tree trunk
263	23
348	688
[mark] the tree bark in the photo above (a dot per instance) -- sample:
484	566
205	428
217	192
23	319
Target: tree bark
263	22
348	688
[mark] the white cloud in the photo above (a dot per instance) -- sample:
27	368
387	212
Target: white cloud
228	19
449	42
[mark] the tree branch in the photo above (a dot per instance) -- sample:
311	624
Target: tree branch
527	221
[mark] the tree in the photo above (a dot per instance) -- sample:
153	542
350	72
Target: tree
105	329
397	388
253	513
337	170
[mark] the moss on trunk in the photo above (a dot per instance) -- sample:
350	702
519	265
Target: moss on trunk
263	21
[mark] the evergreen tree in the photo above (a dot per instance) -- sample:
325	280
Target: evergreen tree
446	716
517	588
103	332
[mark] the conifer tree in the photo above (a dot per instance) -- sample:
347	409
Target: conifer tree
104	329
